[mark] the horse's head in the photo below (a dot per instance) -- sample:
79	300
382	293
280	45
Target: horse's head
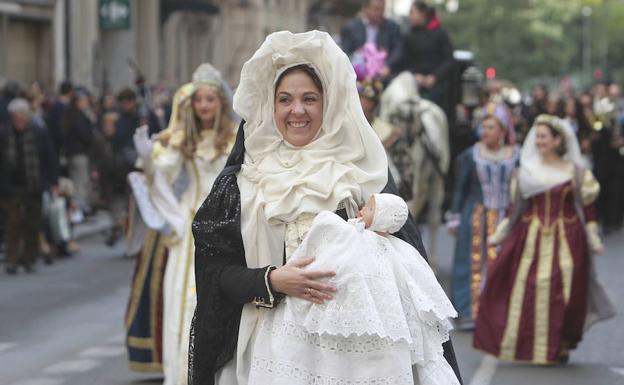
401	104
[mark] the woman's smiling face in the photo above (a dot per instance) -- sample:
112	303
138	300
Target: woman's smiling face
298	108
545	141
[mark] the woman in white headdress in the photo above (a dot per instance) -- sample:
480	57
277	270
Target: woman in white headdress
181	166
304	147
541	291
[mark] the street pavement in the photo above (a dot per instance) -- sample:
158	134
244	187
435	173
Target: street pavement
64	326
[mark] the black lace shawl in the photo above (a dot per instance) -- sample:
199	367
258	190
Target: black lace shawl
225	284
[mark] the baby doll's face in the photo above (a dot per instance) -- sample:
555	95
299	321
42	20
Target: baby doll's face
368	212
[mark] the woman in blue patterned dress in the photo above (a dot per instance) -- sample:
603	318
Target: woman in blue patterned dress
481	195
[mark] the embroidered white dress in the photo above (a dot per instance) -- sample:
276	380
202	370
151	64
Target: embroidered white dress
385	325
179	282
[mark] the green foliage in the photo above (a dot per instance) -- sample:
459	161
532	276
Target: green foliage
529	39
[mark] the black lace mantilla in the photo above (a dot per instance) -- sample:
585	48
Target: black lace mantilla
218	244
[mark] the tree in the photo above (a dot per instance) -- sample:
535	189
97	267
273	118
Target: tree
527	39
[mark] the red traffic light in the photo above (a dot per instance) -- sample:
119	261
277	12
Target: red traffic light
490	72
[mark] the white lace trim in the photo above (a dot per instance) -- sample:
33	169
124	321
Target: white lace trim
363	304
386	291
279	342
299	375
364	345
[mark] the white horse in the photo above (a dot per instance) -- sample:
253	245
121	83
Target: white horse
425	128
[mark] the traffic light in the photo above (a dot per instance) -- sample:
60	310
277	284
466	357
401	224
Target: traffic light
490	72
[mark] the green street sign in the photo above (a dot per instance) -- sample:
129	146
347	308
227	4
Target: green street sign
114	14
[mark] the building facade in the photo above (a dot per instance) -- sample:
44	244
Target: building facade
27	40
105	44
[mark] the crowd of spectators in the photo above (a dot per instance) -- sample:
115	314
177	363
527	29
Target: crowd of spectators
71	151
64	156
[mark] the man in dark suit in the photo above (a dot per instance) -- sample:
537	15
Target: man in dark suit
372	27
27	169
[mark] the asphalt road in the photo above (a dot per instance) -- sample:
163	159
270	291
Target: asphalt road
64	326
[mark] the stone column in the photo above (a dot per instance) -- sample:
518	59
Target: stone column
148	36
59	66
84	35
173	50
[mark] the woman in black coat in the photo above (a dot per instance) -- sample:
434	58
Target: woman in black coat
427	52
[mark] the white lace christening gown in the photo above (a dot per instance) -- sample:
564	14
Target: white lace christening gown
385	325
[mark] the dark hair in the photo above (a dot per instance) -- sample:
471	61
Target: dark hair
542	86
583	122
126	94
425	8
306	69
562	149
12	90
66	87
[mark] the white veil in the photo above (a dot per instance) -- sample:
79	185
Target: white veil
534	176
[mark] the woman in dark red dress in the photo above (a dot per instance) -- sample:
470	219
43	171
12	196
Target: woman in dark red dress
541	292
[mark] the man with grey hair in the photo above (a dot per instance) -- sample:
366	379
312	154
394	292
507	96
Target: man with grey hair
27	169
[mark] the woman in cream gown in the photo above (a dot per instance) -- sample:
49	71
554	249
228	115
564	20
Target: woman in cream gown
194	149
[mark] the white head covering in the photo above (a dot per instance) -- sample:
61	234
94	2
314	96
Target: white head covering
534	176
390	213
18	105
278	181
346	160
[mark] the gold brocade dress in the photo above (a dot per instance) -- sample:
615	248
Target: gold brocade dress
534	302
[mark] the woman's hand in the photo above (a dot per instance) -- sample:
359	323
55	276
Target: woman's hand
292	280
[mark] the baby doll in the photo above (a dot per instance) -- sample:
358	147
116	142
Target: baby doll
387	320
